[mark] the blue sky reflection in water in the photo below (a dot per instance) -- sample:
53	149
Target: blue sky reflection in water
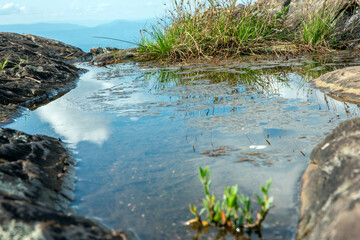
140	135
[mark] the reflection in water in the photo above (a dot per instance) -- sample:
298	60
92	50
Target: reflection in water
74	124
153	129
69	118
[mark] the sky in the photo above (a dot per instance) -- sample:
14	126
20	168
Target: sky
84	12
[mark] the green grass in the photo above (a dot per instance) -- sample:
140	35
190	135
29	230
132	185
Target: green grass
11	64
3	65
317	29
208	29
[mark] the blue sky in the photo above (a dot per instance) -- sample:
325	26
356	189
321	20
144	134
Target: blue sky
85	12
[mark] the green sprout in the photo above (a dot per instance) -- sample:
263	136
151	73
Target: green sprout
3	65
235	210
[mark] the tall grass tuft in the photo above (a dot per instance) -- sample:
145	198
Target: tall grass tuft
210	28
317	28
207	29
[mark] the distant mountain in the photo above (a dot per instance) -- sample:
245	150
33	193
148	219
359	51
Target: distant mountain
82	36
39	27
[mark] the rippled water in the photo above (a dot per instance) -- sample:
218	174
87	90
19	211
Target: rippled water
140	134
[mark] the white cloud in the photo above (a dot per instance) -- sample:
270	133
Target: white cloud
103	5
11	8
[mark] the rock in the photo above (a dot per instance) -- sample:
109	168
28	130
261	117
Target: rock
21	220
7	113
57	49
29	166
114	56
273	5
101	50
342	82
36	67
35	189
330	197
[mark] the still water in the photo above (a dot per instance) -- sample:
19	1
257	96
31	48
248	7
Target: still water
139	135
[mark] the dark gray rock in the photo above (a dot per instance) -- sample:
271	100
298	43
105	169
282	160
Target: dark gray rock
33	168
111	57
21	220
330	197
100	50
37	69
35	189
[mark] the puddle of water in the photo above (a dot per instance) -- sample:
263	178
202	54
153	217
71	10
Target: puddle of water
139	136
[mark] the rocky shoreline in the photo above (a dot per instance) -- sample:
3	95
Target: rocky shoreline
36	182
36	69
35	189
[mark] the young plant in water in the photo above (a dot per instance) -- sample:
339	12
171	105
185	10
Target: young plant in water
235	210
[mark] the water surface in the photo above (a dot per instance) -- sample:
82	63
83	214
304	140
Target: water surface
139	135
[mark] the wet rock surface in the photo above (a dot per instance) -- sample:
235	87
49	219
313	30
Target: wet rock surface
36	68
343	82
35	189
33	167
330	194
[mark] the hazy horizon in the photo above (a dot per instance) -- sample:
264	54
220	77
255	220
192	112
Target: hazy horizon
88	25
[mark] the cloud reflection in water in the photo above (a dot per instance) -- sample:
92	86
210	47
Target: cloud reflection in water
70	118
75	124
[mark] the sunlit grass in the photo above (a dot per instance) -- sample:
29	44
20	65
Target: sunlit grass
317	29
210	28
